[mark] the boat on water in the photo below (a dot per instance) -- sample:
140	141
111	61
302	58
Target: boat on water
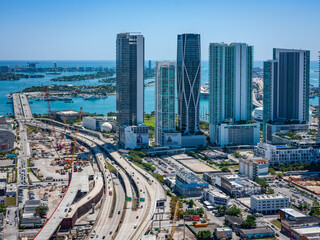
93	97
204	93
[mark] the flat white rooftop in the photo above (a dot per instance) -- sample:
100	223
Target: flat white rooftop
307	230
269	196
293	212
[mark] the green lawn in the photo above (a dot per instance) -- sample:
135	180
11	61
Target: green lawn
11	201
149	121
277	223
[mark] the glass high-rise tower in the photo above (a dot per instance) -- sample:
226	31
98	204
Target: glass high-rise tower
130	79
230	78
286	81
188	82
164	100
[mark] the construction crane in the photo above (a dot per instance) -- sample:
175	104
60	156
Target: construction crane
51	118
174	220
74	139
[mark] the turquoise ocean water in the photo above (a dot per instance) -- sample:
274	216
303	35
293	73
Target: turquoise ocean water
100	105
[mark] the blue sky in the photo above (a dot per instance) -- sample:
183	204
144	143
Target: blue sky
86	29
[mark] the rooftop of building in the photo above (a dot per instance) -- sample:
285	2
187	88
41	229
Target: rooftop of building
190	177
257	230
243	182
234	219
217	192
29	203
3	175
300	221
222	229
269	196
254	160
293	212
307	230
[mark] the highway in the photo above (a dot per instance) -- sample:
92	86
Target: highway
135	222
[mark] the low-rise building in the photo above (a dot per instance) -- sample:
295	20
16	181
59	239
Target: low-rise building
2	188
215	197
132	137
211	177
268	203
307	227
11	190
259	232
291	214
189	184
97	123
29	216
283	154
254	168
271	129
234	222
3	177
7	136
239	186
227	231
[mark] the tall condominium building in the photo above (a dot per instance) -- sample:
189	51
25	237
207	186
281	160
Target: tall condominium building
286	89
165	124
230	104
130	79
188	82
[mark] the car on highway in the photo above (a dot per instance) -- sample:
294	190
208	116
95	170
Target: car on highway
137	217
118	212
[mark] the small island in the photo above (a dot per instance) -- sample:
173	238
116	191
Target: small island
58	90
17	76
91	76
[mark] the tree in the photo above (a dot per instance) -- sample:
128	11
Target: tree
272	171
204	235
191	203
315	209
250	222
159	177
233	211
225	169
263	183
41	210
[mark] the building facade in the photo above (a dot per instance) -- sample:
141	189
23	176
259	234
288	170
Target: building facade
237	134
165	121
215	197
268	203
230	78
239	186
130	79
253	168
189	184
284	154
286	81
132	137
188	82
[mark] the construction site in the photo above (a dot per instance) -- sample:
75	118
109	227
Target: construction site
308	182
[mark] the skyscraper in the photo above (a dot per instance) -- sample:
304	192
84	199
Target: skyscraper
188	82
230	78
165	124
130	79
286	81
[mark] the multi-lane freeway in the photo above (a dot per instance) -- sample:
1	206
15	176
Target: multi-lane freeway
128	220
